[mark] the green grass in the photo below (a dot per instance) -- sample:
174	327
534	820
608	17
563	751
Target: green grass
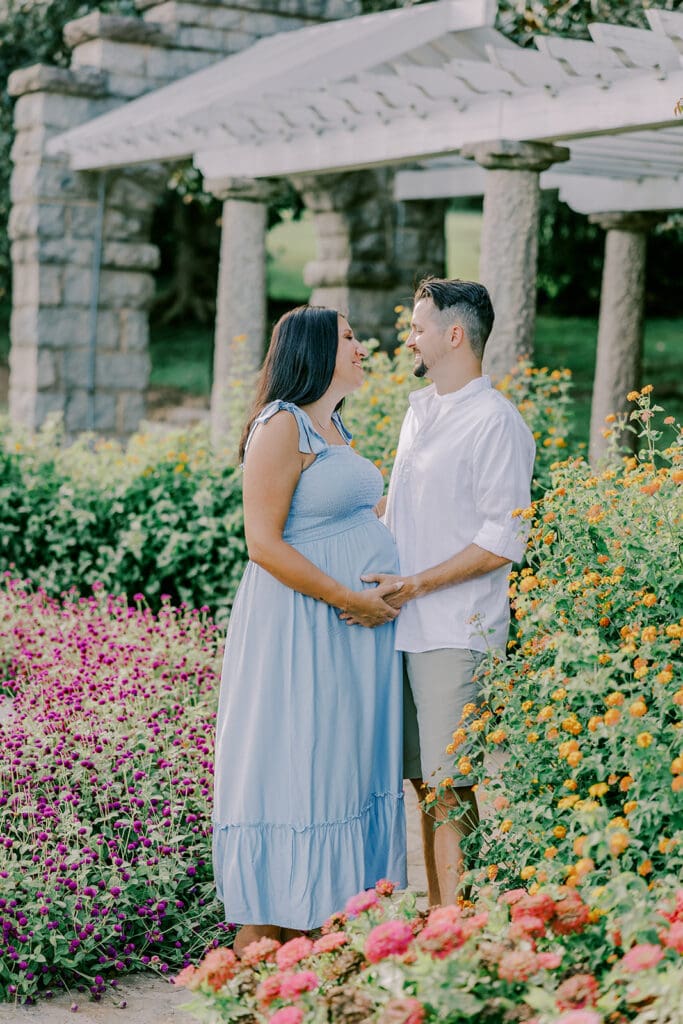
181	358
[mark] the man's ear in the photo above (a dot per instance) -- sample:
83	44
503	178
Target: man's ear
457	335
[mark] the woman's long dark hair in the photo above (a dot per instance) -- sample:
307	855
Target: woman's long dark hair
300	362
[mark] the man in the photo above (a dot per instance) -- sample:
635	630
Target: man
464	463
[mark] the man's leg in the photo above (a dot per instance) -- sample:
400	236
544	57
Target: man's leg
440	684
428	836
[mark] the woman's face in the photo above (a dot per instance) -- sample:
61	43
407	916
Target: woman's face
348	370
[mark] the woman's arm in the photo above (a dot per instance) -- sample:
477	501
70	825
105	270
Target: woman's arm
271	473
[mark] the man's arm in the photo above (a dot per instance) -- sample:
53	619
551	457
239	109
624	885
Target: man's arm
472	561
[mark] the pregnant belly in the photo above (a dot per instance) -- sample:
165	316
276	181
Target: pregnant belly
353	552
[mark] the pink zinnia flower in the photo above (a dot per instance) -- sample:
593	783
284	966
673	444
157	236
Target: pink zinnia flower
217	967
328	943
525	925
293	951
471	925
539	905
268	990
579	1017
292	985
517	965
287	1015
549	961
642	956
673	938
402	1011
361	902
577	992
389	939
384	887
260	951
571	914
443	932
186	977
512	896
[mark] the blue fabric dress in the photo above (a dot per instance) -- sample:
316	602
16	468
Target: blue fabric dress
308	802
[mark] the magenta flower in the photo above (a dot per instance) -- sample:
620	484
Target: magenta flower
292	952
361	902
295	983
287	1015
642	957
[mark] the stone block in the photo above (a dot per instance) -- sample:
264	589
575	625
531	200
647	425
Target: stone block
127	193
36	285
130	256
49	179
121	288
36	220
117	224
326	273
77	411
122	58
115	28
219	40
129	87
52	328
74	251
123	371
134	331
23	367
201	15
30	143
56	110
78	284
172	64
130	411
108	335
75	367
68	81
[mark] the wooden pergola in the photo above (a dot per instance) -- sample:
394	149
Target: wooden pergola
457	109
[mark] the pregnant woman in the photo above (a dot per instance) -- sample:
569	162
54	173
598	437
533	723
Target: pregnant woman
308	806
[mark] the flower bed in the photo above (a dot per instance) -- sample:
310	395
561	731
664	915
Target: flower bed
576	869
105	790
542	958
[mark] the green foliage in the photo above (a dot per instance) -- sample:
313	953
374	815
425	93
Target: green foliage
162	517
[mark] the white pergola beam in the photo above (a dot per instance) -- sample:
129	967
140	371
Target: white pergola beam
630	104
639	47
584	194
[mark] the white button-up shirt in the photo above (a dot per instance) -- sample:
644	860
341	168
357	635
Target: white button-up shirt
464	463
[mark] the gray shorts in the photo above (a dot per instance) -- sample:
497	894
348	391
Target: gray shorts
436	687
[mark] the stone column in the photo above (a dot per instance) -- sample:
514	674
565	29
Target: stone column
354	271
509	242
420	243
622	306
240	304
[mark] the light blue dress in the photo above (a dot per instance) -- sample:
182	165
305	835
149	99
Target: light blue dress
308	802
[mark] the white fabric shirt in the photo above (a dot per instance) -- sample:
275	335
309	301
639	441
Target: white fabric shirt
464	463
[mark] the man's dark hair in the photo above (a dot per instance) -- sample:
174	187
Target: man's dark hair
466	302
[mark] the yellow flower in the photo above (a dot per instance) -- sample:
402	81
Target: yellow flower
599	789
638	708
645	868
650	600
617	843
527	872
550	852
629	806
559	831
633	396
497	736
567	801
532	737
559	694
644	740
506	825
492	871
464	766
574	759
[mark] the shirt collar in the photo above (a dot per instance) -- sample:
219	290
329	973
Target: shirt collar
423	397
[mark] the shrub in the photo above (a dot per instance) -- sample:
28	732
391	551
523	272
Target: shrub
589	707
105	789
164	515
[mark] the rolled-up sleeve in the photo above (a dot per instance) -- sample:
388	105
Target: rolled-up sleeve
503	466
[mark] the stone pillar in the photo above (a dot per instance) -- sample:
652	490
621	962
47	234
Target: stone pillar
355	271
53	228
240	304
509	242
420	243
622	306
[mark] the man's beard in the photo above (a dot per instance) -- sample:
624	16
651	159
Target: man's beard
420	370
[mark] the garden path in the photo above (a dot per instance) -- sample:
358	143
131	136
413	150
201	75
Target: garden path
145	999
